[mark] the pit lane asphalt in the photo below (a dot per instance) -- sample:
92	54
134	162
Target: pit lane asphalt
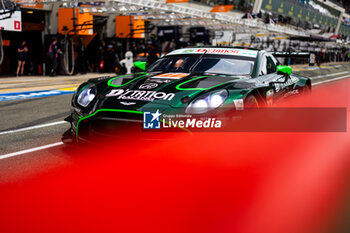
19	114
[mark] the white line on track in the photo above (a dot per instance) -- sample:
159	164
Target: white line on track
331	80
329	75
32	127
5	156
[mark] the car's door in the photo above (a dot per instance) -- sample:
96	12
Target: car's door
268	66
282	90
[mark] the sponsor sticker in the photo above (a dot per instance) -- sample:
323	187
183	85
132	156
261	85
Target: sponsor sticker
220	51
148	86
128	103
269	97
140	95
280	86
239	104
171	75
160	80
294	92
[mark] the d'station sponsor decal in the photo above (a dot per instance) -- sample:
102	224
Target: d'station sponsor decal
219	51
140	95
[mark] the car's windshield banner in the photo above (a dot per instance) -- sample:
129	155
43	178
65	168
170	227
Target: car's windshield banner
219	51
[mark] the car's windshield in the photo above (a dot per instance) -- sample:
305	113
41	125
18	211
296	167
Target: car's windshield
212	64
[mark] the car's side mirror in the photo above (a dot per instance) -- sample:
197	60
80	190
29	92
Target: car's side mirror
286	70
140	65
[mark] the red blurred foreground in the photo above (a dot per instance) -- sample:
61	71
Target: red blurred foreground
205	182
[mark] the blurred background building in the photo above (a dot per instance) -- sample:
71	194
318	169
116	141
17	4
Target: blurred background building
94	36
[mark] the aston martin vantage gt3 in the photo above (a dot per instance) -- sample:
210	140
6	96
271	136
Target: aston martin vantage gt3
196	81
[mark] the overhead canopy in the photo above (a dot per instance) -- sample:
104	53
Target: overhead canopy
168	14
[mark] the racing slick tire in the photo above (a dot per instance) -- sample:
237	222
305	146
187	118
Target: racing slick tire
251	102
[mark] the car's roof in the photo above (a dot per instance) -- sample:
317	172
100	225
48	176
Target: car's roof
235	51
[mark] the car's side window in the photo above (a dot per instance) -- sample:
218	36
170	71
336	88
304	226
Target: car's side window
275	61
270	65
263	70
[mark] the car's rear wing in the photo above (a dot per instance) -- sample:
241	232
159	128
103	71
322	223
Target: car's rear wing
291	54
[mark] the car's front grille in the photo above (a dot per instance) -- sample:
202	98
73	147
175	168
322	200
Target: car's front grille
119	115
114	126
110	124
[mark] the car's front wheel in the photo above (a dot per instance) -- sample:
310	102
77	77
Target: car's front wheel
251	102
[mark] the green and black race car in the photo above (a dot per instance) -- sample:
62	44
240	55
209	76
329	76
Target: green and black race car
192	81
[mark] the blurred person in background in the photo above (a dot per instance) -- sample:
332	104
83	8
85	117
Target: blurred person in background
101	56
133	47
125	65
110	60
53	56
22	57
152	49
81	62
319	58
116	52
140	47
118	67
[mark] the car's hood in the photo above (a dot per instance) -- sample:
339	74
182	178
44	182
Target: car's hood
144	90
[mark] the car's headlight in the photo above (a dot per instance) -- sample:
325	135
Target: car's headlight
207	102
87	95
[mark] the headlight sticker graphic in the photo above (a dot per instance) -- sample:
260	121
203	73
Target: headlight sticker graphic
87	95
